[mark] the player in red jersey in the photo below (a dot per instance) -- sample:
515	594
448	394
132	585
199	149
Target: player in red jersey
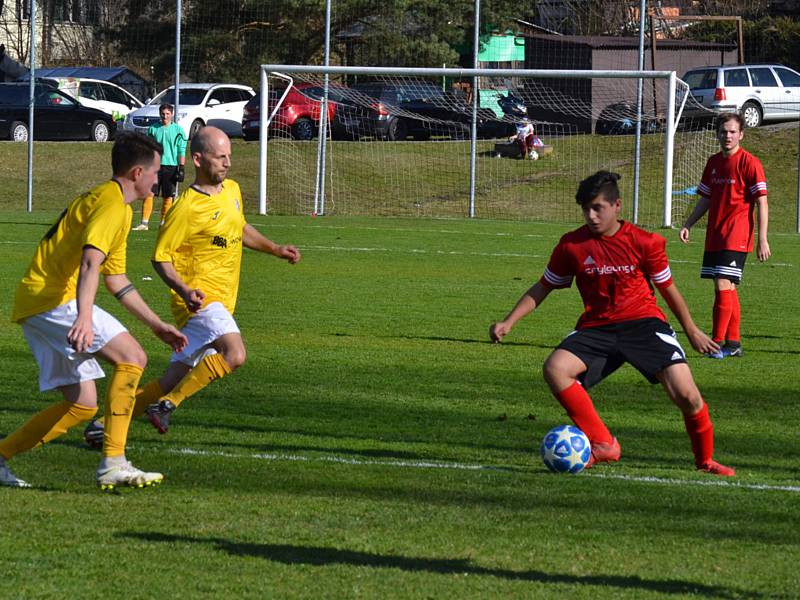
733	184
615	264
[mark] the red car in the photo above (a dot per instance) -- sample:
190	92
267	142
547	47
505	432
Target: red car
298	115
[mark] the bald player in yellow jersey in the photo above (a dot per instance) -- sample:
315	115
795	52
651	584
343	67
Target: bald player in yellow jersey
198	254
54	304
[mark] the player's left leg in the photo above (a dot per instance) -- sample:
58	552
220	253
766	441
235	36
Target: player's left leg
167	177
679	384
733	337
723	307
229	356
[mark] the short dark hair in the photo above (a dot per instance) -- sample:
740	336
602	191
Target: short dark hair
132	149
602	182
166	105
730	116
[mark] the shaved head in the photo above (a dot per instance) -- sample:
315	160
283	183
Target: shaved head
211	154
205	138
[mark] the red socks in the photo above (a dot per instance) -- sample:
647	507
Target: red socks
723	308
733	334
701	433
581	410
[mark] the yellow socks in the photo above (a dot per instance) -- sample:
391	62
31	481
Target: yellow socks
145	396
147	209
165	206
45	426
120	400
207	370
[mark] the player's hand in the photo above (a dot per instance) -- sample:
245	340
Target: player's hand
180	174
763	250
684	235
81	336
289	253
701	342
171	336
497	331
194	299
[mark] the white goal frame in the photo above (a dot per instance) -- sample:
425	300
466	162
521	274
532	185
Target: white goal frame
672	113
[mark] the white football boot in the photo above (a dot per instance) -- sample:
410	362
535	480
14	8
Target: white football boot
125	475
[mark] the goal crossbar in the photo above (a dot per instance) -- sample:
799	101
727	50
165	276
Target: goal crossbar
670	120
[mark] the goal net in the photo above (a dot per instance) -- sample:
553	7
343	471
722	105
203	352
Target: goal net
402	144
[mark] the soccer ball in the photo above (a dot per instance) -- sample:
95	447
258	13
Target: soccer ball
533	155
566	449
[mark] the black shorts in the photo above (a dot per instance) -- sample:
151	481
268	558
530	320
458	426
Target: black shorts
167	178
649	345
723	264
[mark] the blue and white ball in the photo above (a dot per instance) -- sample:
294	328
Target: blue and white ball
566	449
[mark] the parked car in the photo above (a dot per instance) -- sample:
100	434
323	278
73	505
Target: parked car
620	119
57	116
95	93
299	113
217	104
414	109
759	92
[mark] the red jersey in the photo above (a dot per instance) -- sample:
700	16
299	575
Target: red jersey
613	274
732	184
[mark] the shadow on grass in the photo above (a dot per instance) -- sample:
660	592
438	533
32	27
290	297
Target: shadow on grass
440	338
321	556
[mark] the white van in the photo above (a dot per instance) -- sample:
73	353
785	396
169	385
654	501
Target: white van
95	93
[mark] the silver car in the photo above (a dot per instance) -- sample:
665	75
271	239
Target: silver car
759	92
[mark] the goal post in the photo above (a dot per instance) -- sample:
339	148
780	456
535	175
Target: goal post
552	103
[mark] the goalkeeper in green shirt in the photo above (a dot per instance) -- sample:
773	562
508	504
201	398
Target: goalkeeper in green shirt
173	141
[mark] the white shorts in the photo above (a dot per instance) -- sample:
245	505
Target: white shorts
209	324
59	363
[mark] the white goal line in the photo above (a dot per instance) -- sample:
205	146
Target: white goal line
405	464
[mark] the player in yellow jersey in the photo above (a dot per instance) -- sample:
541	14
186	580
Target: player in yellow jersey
198	255
66	332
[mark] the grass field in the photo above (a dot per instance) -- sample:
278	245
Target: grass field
375	445
429	179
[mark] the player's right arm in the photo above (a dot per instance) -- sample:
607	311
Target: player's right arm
529	301
192	297
81	334
700	208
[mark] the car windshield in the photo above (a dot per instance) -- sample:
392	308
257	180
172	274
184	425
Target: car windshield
701	80
187	96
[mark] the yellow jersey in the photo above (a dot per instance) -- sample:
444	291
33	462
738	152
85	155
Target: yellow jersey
99	218
202	238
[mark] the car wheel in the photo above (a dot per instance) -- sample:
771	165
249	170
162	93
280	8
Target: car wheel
99	131
751	114
397	131
196	126
303	129
19	131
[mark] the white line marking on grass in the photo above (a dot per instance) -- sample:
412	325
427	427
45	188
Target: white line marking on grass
423	251
404	464
339	459
711	482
